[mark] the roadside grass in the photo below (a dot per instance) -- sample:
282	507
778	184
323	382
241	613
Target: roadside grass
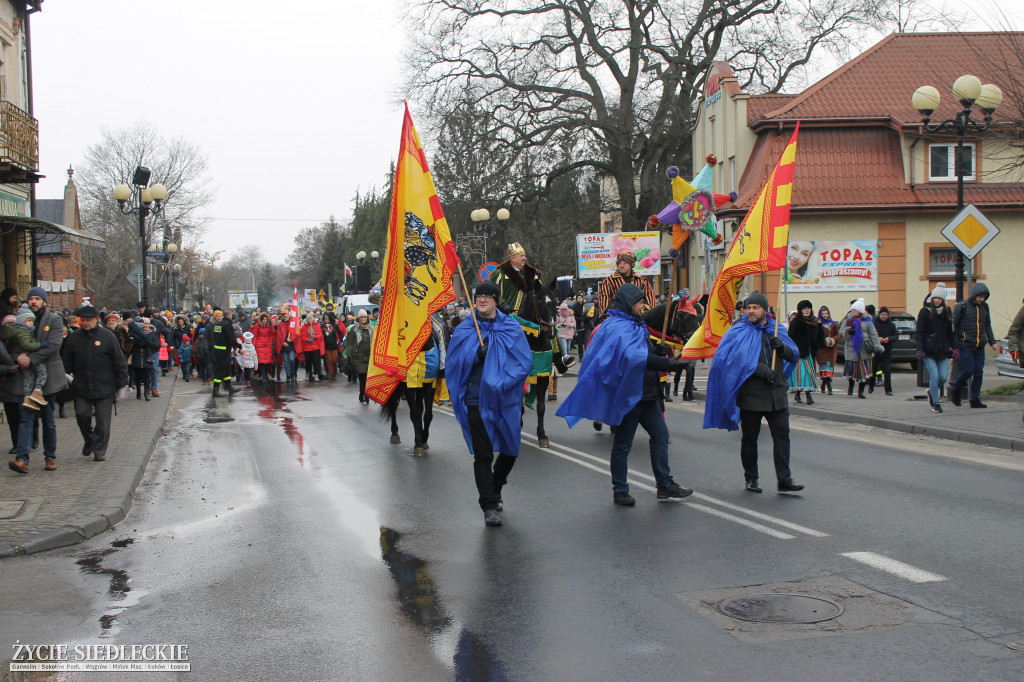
1005	389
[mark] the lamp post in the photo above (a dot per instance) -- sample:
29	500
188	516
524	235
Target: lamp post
970	93
145	200
482	222
174	285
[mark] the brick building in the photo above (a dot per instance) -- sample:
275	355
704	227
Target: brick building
60	257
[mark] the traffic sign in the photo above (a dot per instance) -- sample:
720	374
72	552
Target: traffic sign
486	270
135	276
970	231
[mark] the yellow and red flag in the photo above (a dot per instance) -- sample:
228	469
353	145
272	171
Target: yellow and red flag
418	268
759	246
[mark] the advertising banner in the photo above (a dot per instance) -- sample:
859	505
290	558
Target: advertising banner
596	253
245	299
849	265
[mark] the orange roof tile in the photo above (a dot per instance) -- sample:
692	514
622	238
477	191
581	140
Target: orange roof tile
881	81
856	169
760	105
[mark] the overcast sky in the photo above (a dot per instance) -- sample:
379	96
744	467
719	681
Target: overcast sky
294	103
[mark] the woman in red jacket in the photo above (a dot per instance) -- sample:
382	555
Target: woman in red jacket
263	337
309	346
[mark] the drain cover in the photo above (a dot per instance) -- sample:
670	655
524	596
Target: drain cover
779	608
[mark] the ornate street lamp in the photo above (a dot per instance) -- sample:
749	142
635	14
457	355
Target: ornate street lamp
482	222
970	93
144	200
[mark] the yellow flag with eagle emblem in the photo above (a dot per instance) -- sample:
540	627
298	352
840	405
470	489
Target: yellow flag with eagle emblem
759	246
418	268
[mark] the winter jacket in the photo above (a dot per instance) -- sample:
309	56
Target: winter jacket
264	339
870	345
50	328
935	333
94	357
358	343
828	353
201	349
1015	337
285	339
756	393
886	330
185	353
143	345
309	330
11	383
566	325
808	336
333	335
249	358
972	322
18	339
222	337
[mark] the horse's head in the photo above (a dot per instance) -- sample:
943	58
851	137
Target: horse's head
541	305
684	324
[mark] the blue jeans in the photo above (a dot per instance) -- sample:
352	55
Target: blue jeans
565	345
938	370
972	366
646	413
288	356
156	370
27	425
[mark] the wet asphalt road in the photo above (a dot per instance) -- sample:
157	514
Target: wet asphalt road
281	536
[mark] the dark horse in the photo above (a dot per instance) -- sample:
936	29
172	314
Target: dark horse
539	306
420	399
681	325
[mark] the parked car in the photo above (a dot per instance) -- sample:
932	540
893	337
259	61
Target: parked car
904	346
1005	364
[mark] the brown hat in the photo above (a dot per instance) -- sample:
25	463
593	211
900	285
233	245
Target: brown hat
627	256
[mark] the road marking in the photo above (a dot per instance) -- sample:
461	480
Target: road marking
706	498
603	470
897	568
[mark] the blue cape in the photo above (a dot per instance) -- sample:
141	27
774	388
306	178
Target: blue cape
735	360
611	378
506	367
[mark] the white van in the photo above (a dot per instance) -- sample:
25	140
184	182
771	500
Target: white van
353	302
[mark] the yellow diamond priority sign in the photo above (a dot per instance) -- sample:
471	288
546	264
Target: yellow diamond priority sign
970	231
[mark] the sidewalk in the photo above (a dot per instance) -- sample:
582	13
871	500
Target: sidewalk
83	498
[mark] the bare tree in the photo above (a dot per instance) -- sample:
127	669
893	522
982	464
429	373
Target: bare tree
614	86
178	164
307	256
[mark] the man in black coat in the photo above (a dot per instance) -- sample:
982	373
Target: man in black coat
93	356
882	364
763	395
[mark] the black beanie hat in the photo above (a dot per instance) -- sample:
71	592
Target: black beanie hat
804	304
757	298
489	289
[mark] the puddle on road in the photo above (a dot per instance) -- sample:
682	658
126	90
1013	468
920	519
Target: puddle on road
418	599
120	585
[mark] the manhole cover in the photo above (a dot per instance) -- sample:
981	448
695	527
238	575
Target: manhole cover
779	608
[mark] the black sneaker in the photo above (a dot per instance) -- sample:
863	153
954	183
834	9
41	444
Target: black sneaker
789	487
491	518
672	491
623	499
978	403
936	407
752	485
954	397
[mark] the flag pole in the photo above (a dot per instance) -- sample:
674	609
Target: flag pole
783	284
472	308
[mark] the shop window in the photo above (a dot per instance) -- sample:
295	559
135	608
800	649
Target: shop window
942	162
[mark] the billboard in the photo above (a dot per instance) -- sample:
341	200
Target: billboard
596	253
847	265
244	299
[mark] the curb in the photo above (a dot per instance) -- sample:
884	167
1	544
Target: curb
113	512
976	438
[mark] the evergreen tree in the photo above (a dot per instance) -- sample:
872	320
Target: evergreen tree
267	285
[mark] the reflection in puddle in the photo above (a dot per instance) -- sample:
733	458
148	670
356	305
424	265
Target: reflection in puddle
218	413
419	601
293	434
120	584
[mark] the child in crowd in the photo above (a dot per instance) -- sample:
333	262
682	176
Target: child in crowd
185	356
248	356
19	336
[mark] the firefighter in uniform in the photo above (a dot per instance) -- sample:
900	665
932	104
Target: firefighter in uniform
222	342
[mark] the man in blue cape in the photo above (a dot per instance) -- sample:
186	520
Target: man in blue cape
619	384
748	382
486	387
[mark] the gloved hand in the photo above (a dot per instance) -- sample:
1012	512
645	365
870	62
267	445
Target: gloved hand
662	350
920	353
769	376
956	353
481	352
675	365
44	344
775	343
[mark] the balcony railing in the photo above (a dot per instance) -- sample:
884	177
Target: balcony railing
19	138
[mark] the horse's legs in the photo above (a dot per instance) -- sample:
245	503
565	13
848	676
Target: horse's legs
542	390
414	397
689	387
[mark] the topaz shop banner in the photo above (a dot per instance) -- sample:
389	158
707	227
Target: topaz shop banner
849	265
